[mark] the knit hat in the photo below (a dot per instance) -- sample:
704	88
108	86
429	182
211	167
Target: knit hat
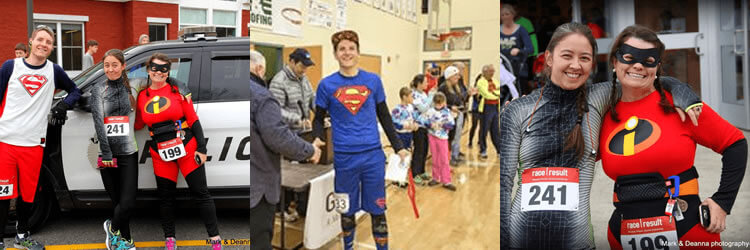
450	71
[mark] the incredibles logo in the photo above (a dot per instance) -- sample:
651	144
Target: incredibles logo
352	97
633	136
156	105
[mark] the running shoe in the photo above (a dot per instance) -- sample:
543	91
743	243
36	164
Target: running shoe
216	244
418	180
291	217
28	243
426	177
126	245
454	163
449	187
113	238
170	244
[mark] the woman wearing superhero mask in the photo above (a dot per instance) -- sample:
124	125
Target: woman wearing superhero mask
549	138
178	145
649	153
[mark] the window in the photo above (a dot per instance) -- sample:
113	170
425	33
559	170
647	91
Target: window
157	32
190	17
224	22
180	69
666	17
229	78
70	41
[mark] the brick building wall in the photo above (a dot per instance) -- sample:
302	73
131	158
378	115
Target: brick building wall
112	24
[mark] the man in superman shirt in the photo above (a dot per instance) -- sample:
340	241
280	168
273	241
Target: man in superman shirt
27	88
355	100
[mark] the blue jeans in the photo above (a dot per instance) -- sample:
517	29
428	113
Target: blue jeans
456	143
491	123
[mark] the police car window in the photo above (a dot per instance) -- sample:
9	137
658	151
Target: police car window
230	78
180	70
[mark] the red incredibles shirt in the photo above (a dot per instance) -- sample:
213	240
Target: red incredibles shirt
163	105
646	139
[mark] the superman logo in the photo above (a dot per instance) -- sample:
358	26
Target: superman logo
632	137
380	202
157	105
32	83
352	97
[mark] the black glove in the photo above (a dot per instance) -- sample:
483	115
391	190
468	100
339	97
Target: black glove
59	114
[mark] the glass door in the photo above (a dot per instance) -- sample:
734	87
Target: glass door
732	44
678	24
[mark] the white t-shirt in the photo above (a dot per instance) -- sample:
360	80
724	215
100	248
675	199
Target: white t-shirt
28	95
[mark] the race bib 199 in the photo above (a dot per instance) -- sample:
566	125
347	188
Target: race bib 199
117	125
549	188
6	190
649	233
171	150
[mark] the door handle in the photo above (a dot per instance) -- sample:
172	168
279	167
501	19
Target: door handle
697	47
737	52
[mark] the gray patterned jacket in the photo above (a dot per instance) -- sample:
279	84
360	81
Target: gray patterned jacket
540	144
290	91
110	98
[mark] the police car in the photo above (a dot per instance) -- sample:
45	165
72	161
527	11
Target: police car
216	72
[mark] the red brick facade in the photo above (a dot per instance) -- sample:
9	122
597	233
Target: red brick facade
112	24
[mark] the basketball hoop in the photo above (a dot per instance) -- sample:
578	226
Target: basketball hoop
460	40
446	35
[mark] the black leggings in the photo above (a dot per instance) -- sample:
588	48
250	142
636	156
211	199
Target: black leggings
475	117
23	211
196	181
420	152
121	184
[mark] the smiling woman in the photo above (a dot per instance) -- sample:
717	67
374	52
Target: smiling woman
645	144
532	129
171	153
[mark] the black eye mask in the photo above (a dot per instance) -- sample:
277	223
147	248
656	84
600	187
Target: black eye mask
639	55
163	68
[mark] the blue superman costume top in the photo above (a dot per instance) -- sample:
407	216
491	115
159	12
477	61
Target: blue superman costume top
352	102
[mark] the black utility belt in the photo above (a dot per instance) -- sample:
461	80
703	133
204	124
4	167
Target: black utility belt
649	186
169	130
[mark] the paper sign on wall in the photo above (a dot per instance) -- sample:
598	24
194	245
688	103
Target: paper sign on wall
282	17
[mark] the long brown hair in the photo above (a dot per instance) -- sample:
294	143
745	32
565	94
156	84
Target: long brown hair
160	57
117	54
574	140
645	34
417	80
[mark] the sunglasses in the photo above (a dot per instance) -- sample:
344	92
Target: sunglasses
163	68
46	28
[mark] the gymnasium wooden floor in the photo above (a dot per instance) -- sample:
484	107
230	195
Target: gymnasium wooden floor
466	219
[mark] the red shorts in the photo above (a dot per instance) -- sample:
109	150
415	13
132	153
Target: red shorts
168	169
19	167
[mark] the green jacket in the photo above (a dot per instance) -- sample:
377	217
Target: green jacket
526	24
